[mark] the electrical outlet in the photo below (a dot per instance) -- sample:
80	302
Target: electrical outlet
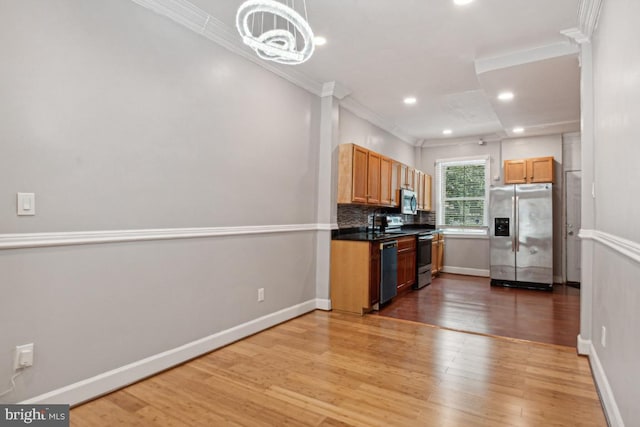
260	294
23	356
603	337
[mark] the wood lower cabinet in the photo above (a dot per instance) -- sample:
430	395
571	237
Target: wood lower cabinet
406	263
437	253
355	275
529	171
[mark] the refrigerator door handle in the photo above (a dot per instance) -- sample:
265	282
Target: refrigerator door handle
517	223
513	221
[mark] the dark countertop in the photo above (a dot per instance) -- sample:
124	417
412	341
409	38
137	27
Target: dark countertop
360	234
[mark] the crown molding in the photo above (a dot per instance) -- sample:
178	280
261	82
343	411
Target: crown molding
576	35
335	89
365	113
199	21
588	14
541	53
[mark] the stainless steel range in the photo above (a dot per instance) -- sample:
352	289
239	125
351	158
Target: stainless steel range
423	261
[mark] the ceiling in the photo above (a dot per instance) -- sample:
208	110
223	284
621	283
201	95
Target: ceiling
453	59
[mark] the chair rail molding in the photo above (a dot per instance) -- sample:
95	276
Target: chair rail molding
39	240
628	248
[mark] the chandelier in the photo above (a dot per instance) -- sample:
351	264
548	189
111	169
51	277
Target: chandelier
275	30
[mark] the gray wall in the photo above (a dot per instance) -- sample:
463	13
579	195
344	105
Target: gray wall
118	118
476	250
616	288
356	130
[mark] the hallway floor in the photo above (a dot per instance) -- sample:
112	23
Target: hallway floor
470	304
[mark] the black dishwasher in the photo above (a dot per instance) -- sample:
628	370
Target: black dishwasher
388	270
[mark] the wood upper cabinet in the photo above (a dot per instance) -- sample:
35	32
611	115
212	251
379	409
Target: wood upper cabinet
373	178
395	183
386	180
427	193
364	176
359	177
420	190
406	262
540	169
407	177
528	171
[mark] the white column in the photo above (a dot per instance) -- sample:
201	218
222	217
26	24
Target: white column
327	207
588	197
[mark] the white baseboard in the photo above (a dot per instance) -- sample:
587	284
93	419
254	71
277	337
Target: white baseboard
106	382
606	394
557	279
584	346
466	271
323	304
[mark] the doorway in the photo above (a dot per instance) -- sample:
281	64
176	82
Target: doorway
573	188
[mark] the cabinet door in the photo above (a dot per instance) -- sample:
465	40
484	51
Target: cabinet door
420	190
359	175
402	271
440	253
395	184
373	178
515	171
434	256
411	179
402	175
386	173
374	274
427	193
540	169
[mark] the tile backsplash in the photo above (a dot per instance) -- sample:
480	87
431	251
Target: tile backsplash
356	216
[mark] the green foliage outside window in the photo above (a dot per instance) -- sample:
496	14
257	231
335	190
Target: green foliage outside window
464	195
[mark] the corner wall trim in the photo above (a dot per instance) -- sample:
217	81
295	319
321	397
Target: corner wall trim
611	409
323	304
38	240
466	271
106	382
584	346
625	247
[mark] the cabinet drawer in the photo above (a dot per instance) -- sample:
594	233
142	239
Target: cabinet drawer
406	244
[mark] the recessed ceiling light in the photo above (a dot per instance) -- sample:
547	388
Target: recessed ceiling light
447	132
319	41
462	2
518	129
410	100
505	96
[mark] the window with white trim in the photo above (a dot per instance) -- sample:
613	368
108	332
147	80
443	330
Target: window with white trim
462	194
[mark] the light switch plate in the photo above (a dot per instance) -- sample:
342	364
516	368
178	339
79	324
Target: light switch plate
26	204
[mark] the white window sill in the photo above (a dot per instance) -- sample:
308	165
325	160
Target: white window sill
466	234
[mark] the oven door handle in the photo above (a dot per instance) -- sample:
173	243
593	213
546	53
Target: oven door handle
425	238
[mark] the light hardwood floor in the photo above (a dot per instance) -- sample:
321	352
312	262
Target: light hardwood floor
329	369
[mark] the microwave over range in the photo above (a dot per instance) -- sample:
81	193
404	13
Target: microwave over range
408	202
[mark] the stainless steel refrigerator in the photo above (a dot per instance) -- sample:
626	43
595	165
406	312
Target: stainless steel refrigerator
521	235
